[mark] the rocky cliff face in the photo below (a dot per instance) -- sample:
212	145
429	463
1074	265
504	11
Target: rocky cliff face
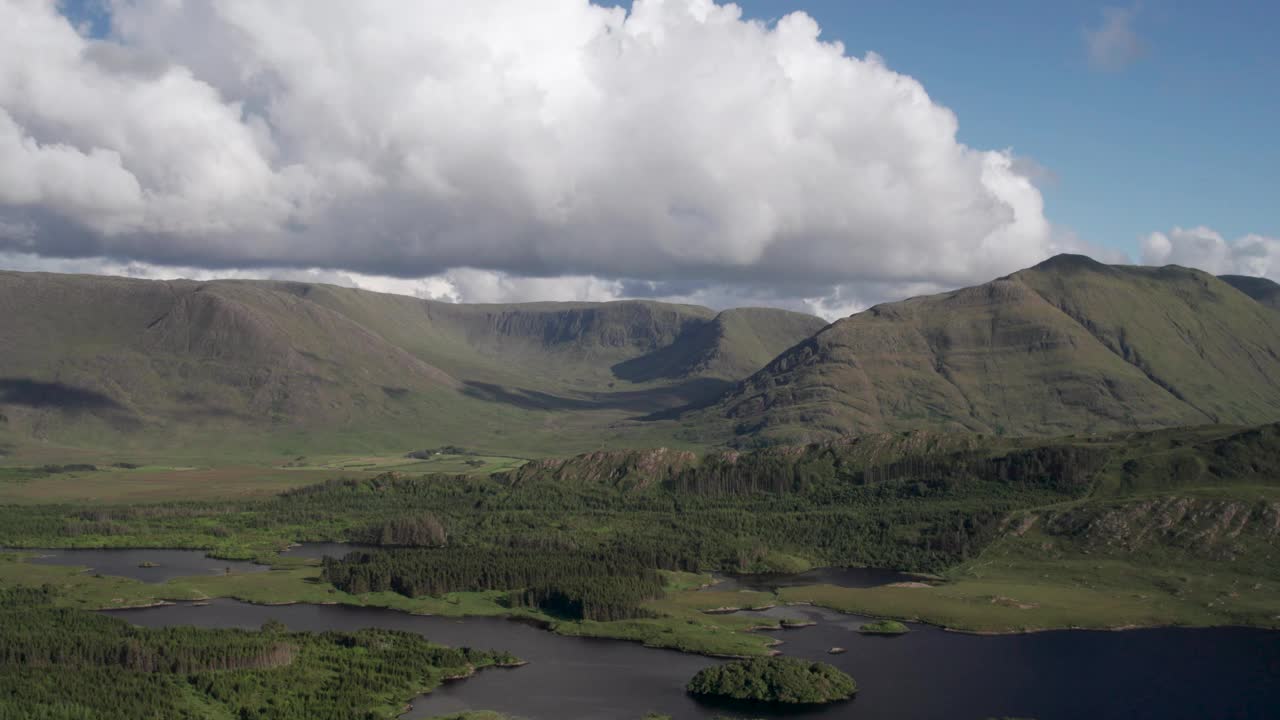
1204	527
629	469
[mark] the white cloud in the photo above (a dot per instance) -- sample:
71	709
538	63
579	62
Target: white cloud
469	285
1113	45
459	285
557	146
1206	249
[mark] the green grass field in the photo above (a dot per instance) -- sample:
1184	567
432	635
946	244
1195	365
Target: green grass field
162	479
680	627
999	594
440	463
153	483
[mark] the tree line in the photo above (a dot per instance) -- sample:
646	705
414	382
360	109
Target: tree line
609	584
66	664
823	503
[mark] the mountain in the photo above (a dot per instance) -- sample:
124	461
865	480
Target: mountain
1070	345
733	345
1263	290
268	367
285	366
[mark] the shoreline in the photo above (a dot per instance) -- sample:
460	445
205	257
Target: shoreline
551	624
990	633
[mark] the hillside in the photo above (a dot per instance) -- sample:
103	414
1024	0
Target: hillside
1070	345
280	367
1261	289
1204	459
271	368
733	345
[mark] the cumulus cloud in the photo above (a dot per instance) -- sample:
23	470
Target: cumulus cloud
1204	248
459	285
1113	44
509	147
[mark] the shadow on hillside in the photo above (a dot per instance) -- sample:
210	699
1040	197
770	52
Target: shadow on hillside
36	394
646	402
198	407
667	362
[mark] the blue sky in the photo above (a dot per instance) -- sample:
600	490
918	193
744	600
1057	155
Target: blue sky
1183	135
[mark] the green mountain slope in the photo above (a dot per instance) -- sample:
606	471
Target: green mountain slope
86	359
585	346
1261	289
281	366
1192	334
1067	346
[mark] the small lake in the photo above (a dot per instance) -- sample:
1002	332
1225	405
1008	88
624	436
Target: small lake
163	564
320	550
156	566
1164	674
840	577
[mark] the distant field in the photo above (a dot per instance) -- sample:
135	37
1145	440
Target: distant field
442	463
1173	527
152	484
31	484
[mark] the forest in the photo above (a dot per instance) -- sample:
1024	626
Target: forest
745	514
602	585
585	538
61	664
774	680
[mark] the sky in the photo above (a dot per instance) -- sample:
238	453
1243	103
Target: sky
820	155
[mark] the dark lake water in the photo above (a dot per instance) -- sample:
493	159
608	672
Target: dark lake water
170	564
1165	674
178	563
316	551
128	563
840	577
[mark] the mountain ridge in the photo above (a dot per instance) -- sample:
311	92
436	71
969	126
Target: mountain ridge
1068	345
176	359
1261	289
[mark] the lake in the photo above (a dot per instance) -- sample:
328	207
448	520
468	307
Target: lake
168	564
155	566
320	550
840	577
1169	674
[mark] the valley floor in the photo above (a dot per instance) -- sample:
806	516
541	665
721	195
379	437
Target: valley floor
1176	528
997	593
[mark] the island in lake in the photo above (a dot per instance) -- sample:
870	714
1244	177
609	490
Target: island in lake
884	627
781	680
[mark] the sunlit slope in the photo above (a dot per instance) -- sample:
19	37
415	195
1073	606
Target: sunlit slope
85	358
1190	333
1068	346
97	360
